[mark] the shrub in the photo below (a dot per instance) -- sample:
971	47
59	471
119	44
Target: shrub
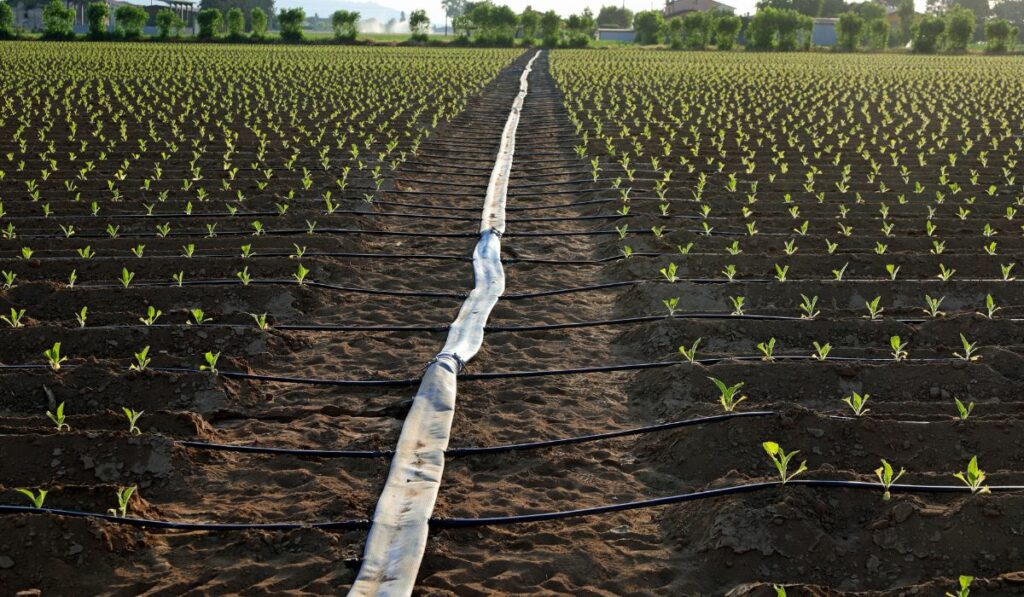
130	20
697	30
927	32
235	20
6	21
168	23
209	23
419	24
259	20
290	21
98	15
849	30
550	26
648	25
344	24
999	35
58	21
960	26
727	28
876	34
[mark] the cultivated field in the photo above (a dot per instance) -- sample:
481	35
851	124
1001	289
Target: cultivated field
264	246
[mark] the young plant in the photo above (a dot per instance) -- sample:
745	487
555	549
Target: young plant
973	477
728	398
300	275
124	495
858	403
874	311
199	317
899	348
261	321
965	587
781	461
37	498
133	418
669	272
126	277
58	418
152	314
963	411
990	307
672	304
691	354
211	362
767	350
887	478
808	306
142	360
839	273
932	309
53	357
821	351
969	349
15	319
81	316
737	304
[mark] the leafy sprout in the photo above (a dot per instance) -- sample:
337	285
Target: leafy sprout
36	497
973	477
124	495
728	394
887	478
781	461
58	418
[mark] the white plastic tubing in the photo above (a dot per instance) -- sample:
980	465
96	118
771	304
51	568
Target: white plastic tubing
398	537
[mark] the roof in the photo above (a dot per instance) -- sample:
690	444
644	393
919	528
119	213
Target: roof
678	7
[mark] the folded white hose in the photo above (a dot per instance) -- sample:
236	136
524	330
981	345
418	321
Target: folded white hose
398	537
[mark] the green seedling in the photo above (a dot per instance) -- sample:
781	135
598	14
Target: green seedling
899	352
728	394
53	356
139	250
261	321
973	477
990	307
672	304
737	305
178	278
963	411
152	314
142	360
808	307
780	272
126	277
874	311
669	272
133	418
36	497
767	350
15	319
965	587
691	354
969	349
199	317
887	478
58	418
729	272
858	403
244	276
839	273
81	316
124	495
892	270
821	351
945	273
300	275
781	461
211	362
187	251
72	278
932	309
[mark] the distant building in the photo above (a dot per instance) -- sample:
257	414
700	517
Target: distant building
613	34
31	19
679	8
824	32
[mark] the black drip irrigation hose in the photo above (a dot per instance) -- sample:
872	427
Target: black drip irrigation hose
708	494
307	283
359	524
310	381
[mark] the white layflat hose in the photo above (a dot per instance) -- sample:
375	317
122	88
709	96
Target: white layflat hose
398	536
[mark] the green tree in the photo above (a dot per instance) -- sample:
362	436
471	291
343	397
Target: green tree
1000	34
98	16
168	23
648	24
235	20
673	33
529	22
290	21
258	18
6	21
697	28
876	34
452	10
614	16
58	21
550	28
727	29
345	25
849	30
960	25
209	23
419	24
762	29
906	12
129	20
1011	10
927	32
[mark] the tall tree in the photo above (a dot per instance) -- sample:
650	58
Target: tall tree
615	16
452	9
